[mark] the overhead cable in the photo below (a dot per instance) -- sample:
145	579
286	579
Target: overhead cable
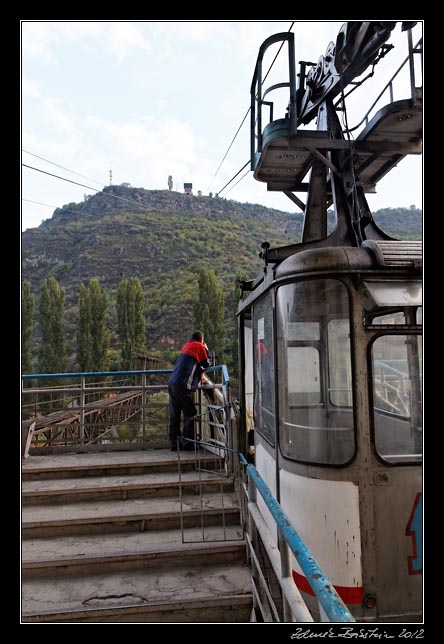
243	121
63	167
239	180
110	194
238	172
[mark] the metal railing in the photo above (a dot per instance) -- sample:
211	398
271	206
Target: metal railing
389	87
258	94
217	431
332	608
210	463
101	410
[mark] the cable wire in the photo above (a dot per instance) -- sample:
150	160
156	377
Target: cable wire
229	147
63	167
243	121
57	177
242	177
238	172
109	194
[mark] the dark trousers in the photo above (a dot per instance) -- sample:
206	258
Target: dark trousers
181	402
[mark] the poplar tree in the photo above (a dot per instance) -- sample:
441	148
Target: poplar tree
208	313
27	326
131	322
93	335
52	352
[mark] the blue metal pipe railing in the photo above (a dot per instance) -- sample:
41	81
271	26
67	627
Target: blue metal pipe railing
384	366
82	389
326	594
87	374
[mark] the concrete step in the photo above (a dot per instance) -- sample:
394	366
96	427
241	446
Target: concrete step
217	593
97	553
72	490
132	514
114	538
114	464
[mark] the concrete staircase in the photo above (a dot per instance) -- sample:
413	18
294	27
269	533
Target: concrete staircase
106	538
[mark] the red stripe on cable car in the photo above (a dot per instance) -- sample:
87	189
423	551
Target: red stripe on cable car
348	594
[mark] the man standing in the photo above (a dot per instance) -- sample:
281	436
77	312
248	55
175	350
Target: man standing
182	384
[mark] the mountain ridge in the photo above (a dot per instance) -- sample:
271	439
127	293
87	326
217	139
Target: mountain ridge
162	237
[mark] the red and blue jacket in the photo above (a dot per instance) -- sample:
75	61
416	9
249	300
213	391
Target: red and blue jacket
192	361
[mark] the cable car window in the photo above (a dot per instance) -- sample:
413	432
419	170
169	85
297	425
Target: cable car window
264	404
382	294
397	397
387	302
315	406
339	372
390	318
419	315
304	384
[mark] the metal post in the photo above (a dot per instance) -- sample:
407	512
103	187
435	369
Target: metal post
411	65
286	572
252	498
252	490
253	542
229	427
259	107
198	421
82	409
143	407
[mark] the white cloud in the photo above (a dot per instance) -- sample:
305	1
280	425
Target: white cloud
41	39
30	88
51	109
146	151
119	38
93	105
37	40
142	152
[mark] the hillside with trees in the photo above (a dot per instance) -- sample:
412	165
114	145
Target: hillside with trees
164	239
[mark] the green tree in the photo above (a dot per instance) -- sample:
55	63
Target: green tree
93	335
52	351
208	312
131	322
27	326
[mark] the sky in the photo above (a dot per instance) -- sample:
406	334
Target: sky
135	102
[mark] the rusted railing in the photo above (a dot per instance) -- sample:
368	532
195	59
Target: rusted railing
99	410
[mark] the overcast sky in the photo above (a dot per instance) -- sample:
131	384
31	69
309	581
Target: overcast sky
150	99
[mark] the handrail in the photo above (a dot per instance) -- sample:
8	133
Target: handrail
134	372
86	374
257	96
328	598
388	86
383	365
79	416
224	370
